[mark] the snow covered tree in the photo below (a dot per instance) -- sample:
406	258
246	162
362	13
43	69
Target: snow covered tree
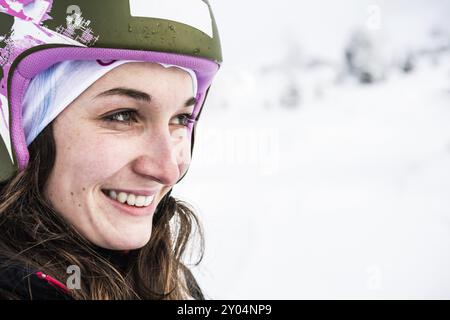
363	58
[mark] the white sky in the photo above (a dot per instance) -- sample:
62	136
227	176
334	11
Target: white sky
261	29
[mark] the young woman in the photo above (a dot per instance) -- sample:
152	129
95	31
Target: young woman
98	112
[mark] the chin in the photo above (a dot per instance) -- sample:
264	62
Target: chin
129	243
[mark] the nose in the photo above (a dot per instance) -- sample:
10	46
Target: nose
163	156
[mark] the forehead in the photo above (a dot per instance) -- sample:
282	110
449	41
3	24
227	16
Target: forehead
145	75
168	88
164	88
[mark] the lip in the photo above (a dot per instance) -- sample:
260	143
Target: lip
131	210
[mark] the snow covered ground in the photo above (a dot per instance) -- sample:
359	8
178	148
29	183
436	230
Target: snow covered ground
344	196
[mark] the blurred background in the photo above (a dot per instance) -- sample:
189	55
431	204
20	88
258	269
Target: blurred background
321	167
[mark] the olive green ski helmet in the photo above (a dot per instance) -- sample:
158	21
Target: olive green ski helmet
36	34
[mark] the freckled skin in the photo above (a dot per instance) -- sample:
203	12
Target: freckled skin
111	154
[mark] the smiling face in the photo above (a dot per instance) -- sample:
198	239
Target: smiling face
121	146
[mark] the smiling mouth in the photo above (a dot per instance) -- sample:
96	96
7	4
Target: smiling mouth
132	200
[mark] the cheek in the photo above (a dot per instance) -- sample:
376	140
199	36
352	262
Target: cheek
105	157
85	161
182	149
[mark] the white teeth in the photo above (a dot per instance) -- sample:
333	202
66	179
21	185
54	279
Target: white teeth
131	199
122	197
113	194
140	200
148	200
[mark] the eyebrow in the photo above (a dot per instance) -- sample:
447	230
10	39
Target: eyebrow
138	95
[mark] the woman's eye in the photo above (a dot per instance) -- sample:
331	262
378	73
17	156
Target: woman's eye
184	119
129	116
126	116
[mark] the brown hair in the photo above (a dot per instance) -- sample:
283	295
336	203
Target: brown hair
35	235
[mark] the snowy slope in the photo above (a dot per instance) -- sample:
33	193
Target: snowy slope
344	198
344	195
